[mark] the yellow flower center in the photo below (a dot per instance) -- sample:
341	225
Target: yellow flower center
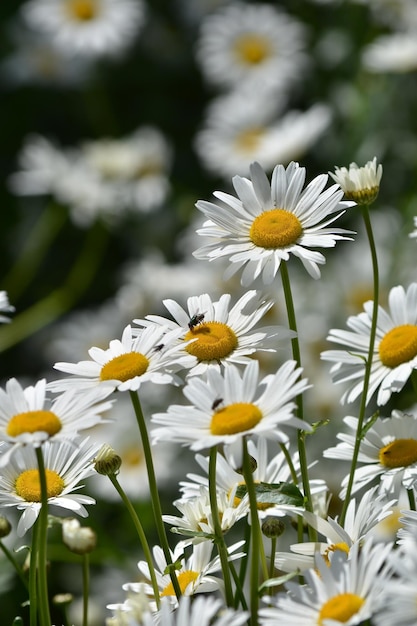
184	579
275	229
340	608
235	418
82	10
132	456
399	453
341	547
249	139
28	485
399	345
124	367
252	49
32	422
214	341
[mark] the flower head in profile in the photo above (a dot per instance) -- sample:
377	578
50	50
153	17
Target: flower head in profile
150	356
388	451
348	591
360	184
269	222
66	464
214	334
395	350
227	407
29	416
5	307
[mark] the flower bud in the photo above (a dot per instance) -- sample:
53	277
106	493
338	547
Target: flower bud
273	527
107	461
5	527
80	540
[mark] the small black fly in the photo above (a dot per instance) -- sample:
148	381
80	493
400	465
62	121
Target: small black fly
217	402
195	320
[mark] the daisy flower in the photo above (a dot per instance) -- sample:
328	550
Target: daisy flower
259	44
66	464
395	350
391	53
360	184
348	591
360	521
28	416
86	27
195	574
150	356
216	335
5	307
227	407
270	221
388	449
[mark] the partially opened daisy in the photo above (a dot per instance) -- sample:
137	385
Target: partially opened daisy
349	591
227	407
66	464
268	222
388	451
395	350
29	416
216	334
359	522
360	184
152	356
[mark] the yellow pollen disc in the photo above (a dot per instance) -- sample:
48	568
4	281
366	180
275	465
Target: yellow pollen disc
275	229
399	345
82	10
133	456
184	579
252	48
28	485
32	422
215	341
235	418
341	547
249	139
399	453
340	608
124	367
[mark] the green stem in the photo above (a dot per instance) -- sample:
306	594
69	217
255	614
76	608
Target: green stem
33	568
15	564
272	558
86	587
244	562
221	545
292	322
153	488
42	543
38	243
368	364
61	299
141	535
290	463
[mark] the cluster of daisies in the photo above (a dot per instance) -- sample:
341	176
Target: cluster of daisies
343	569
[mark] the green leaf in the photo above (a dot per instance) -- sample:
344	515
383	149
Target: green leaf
276	582
274	493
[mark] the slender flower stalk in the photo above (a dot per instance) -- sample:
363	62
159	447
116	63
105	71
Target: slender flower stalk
15	564
41	556
220	543
368	364
153	488
86	587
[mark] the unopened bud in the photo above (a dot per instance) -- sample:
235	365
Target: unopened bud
273	527
5	527
107	461
253	466
78	539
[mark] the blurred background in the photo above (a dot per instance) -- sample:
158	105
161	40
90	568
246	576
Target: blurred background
117	116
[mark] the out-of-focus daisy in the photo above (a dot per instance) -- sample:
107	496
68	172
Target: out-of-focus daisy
216	335
86	27
271	221
197	517
5	307
360	184
242	42
349	591
392	53
195	574
359	523
66	464
395	351
389	450
152	356
244	126
227	407
28	416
